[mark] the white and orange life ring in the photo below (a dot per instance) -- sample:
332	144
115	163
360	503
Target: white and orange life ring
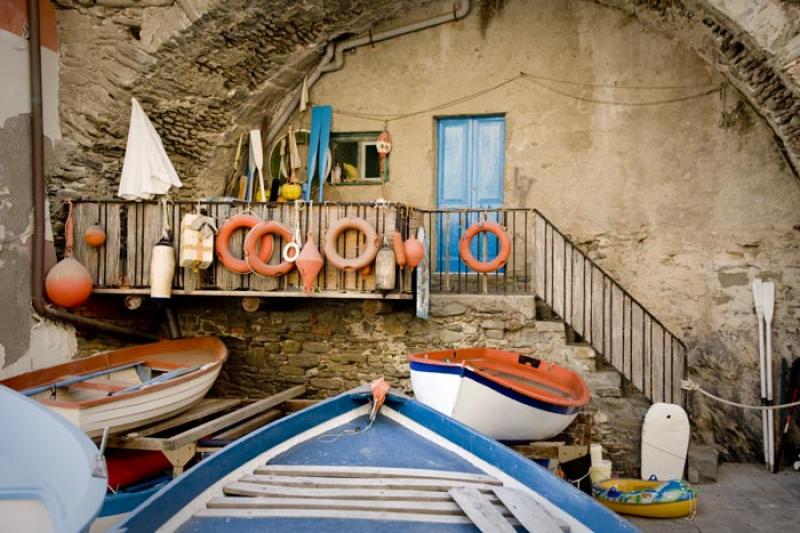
500	259
254	261
367	255
222	244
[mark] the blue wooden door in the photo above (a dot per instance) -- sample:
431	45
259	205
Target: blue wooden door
470	176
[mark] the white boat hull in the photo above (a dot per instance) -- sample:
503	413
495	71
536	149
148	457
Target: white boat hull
492	410
141	409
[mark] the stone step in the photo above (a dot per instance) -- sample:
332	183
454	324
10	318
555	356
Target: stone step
605	383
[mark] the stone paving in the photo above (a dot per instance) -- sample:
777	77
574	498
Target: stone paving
746	498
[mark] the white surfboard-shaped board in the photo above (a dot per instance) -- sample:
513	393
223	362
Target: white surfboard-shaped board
665	442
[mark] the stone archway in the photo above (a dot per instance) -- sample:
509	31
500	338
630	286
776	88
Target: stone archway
205	69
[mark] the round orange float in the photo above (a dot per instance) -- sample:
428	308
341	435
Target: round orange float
223	247
260	232
502	255
357	263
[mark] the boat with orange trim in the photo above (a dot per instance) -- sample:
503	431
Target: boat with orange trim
126	388
505	395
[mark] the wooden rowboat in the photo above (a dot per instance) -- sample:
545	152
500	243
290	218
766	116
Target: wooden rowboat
125	388
333	467
52	478
504	395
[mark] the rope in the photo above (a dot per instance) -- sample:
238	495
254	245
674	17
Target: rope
539	82
689	385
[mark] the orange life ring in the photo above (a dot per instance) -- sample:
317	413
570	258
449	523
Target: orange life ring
502	255
366	257
223	247
259	266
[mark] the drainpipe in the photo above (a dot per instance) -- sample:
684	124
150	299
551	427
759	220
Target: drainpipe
333	59
40	305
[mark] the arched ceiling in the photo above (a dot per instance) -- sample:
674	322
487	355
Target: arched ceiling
205	70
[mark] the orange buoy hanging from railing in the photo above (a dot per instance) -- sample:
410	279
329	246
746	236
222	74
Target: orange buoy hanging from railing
414	251
504	244
223	248
68	284
309	261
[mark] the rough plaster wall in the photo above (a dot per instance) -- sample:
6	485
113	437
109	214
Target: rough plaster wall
25	341
683	203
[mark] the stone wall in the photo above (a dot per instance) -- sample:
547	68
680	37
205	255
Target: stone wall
333	346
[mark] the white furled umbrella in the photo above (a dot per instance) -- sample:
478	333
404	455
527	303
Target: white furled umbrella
146	171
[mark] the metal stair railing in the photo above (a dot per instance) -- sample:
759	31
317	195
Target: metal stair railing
607	316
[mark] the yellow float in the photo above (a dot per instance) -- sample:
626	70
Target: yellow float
652	499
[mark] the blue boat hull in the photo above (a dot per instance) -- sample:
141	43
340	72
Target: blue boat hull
406	435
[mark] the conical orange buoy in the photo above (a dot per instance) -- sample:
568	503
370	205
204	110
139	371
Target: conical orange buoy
95	236
68	284
414	251
309	263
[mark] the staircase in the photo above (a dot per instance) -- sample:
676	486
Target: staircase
606	316
596	309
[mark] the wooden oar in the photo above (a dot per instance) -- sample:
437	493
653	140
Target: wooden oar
77	379
762	364
166	376
768	301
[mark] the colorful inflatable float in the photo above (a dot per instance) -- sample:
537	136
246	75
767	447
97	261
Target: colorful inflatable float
653	499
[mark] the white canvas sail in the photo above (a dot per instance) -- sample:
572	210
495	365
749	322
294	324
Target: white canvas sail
146	171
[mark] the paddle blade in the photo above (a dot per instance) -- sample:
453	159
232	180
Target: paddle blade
757	297
768	299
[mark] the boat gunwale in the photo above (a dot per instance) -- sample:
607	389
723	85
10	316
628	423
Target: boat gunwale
157	510
575	401
213	345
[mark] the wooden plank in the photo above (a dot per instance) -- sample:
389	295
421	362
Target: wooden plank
482	513
281	491
331	513
342	295
212	426
607	317
401	506
368	471
249	425
111	250
298	404
527	510
362	483
539	256
85	214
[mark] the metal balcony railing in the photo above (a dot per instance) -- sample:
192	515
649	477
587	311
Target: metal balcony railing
607	316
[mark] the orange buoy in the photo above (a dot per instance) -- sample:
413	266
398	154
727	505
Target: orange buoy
500	259
399	249
414	251
259	232
309	263
223	247
370	248
94	236
68	284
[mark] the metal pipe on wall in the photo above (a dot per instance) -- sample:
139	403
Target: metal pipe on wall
333	59
40	305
